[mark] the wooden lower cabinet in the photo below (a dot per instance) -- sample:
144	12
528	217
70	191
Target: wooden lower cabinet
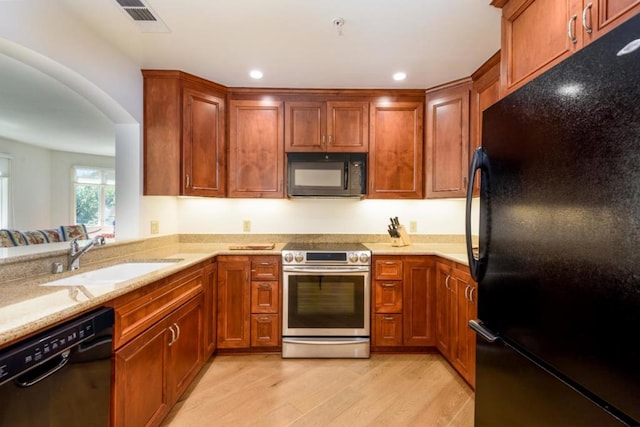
156	367
456	295
404	304
249	295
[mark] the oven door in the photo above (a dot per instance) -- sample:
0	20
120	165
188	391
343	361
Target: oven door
326	301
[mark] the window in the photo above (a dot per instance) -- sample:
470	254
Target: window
95	198
5	190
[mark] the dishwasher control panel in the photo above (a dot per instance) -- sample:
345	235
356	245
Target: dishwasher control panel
34	351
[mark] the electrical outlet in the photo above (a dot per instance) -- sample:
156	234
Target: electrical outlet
155	227
413	226
246	226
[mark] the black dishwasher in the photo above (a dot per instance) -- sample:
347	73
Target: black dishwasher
60	377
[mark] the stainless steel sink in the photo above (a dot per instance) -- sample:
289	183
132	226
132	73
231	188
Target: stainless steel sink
112	275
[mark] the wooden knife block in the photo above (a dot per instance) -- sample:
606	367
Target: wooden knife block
403	240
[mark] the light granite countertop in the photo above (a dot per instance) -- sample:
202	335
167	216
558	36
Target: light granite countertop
27	307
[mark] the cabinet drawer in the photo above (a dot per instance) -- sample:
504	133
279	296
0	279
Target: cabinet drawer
388	330
265	330
265	297
388	296
135	313
388	269
265	268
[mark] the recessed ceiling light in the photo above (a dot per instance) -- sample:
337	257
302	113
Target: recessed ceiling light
255	74
399	76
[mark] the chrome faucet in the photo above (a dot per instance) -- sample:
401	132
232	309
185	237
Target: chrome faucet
75	252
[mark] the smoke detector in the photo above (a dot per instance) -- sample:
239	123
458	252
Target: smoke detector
143	16
338	23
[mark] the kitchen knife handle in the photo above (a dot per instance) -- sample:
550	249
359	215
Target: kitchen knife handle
484	332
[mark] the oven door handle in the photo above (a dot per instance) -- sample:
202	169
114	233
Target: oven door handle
320	341
324	270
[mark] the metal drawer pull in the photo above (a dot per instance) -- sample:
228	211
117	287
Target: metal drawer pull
264	319
446	282
264	287
388	285
390	263
389	318
467	293
471	294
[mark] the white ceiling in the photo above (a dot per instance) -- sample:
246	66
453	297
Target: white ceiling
294	43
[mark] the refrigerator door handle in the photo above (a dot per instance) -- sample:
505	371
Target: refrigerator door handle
480	161
481	330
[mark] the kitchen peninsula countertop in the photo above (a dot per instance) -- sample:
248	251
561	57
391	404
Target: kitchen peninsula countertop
27	307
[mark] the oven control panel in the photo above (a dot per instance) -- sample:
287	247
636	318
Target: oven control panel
326	257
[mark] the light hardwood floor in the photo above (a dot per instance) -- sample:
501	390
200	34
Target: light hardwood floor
385	390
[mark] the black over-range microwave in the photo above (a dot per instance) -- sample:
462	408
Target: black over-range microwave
326	174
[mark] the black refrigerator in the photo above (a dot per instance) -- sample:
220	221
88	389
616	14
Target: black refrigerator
558	329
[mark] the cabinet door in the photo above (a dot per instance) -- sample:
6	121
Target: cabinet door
305	126
447	156
348	126
444	309
419	302
388	330
234	304
463	354
485	93
601	16
395	150
387	296
203	144
187	347
140	395
535	37
256	151
210	307
265	330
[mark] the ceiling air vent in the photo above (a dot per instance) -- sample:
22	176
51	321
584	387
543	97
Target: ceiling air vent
143	16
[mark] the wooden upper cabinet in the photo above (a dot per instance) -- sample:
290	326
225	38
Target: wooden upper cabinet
203	144
327	126
256	150
485	93
534	38
601	16
395	150
537	34
184	135
447	134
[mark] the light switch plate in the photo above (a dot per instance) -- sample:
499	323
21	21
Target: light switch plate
155	227
413	226
246	226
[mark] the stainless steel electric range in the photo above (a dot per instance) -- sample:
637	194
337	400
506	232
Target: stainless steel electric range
326	300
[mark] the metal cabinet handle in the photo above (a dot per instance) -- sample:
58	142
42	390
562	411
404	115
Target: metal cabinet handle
471	294
389	263
264	287
265	263
388	318
178	331
330	139
246	276
264	319
466	293
173	336
588	28
322	142
571	29
446	282
187	178
388	285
